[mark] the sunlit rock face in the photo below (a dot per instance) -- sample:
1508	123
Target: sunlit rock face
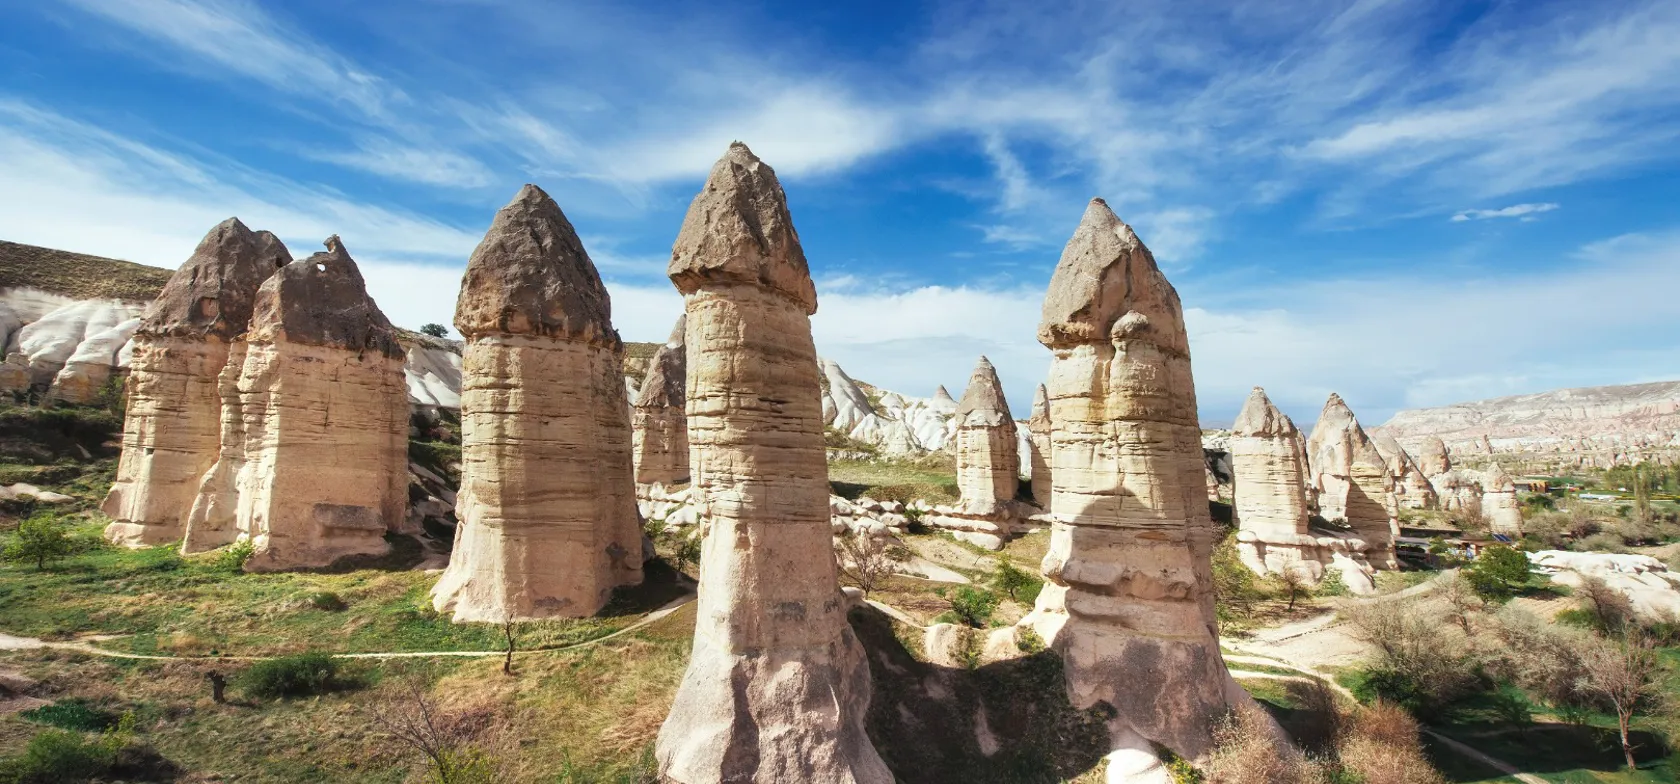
777	686
1039	427
548	524
1411	485
1129	603
316	466
1269	501
1499	502
988	461
171	434
1353	482
659	419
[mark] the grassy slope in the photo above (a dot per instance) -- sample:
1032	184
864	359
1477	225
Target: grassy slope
78	275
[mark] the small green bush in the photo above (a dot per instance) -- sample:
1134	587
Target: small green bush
1498	573
974	607
40	539
300	675
1028	641
73	714
1011	580
233	557
58	756
1331	584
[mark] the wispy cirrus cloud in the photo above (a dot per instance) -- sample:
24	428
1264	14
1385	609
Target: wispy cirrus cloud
1523	211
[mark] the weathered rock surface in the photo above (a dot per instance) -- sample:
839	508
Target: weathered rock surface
1353	482
548	524
660	420
1411	486
900	425
777	686
1434	459
171	435
1039	427
1269	501
318	463
43	346
1650	587
988	462
1457	491
1585	427
1499	502
1129	602
89	369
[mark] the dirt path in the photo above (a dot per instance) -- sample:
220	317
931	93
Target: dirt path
1492	762
12	643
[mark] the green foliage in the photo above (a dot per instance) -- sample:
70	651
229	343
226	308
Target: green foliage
969	648
434	329
38	540
1013	581
73	714
300	675
1235	589
63	757
1028	641
232	558
1179	768
973	606
1498	573
1331	584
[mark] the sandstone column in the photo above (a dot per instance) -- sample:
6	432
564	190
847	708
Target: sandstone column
988	458
319	462
777	686
1411	486
1129	603
548	524
1499	502
660	421
1040	426
171	432
1353	481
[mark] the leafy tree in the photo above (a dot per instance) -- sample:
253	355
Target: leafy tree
974	607
1498	573
434	329
41	538
1009	579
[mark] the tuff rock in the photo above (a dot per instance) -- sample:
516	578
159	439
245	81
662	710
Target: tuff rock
1353	482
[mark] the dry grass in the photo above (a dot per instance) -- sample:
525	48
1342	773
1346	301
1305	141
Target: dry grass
79	275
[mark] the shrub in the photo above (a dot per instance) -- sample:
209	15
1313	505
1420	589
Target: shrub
39	539
1235	590
1381	747
974	607
233	557
1247	752
63	757
73	714
434	329
1027	641
970	646
1498	573
1013	581
1418	662
300	675
1331	584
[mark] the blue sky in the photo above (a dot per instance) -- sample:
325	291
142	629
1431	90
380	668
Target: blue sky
1411	203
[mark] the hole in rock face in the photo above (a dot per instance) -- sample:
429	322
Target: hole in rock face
320	267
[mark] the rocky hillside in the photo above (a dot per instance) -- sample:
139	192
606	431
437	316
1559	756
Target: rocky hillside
1589	427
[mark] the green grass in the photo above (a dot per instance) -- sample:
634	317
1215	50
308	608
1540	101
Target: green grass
193	606
891	480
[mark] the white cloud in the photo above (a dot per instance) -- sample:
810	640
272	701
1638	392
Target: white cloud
1524	211
397	161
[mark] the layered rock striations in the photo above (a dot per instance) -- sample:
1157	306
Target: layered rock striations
1411	486
172	431
1129	602
315	467
547	510
1352	481
1269	502
659	420
1039	427
1457	491
1499	502
777	686
988	464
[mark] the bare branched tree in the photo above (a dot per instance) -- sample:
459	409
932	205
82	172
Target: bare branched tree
510	632
1626	673
1611	610
410	716
1295	583
864	559
1461	601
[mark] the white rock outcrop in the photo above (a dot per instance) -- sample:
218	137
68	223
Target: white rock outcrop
1650	587
659	420
777	686
1352	481
1038	429
548	524
171	434
1499	502
1129	598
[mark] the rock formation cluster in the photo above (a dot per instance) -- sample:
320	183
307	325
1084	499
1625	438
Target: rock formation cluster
1457	491
1352	481
314	444
660	421
548	524
1269	502
1499	502
1129	602
1039	427
777	686
1411	486
172	432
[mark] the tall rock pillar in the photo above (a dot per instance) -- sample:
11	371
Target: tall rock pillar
547	509
1499	502
1039	426
1412	489
1129	603
777	686
660	420
318	464
1353	481
988	454
173	426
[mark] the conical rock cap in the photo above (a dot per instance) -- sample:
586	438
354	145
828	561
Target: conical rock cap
213	292
1260	418
1105	274
984	393
738	231
322	301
